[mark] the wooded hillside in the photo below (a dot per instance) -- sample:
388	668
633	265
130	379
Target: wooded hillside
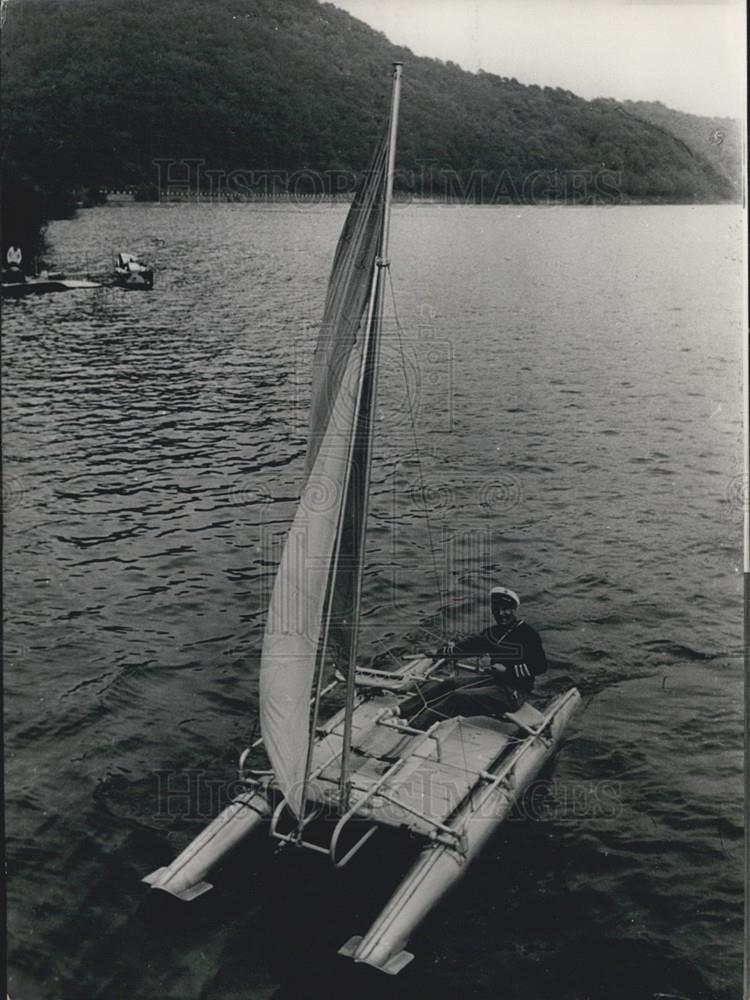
96	91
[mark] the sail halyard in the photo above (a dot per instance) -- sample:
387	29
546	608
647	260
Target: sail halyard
313	571
294	625
370	361
355	514
349	292
349	493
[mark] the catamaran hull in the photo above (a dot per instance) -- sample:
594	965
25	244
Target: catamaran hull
185	878
142	280
37	286
439	866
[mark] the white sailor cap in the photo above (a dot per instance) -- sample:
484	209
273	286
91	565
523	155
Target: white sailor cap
505	596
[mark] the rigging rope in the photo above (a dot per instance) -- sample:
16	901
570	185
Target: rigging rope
418	455
388	651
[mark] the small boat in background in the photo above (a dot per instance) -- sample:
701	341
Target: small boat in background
130	272
14	282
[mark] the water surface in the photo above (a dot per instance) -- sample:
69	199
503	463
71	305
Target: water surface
560	391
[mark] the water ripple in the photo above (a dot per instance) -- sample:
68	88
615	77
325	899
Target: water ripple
154	454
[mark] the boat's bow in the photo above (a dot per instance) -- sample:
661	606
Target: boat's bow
440	865
185	877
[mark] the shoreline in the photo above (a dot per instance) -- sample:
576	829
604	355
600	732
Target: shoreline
286	198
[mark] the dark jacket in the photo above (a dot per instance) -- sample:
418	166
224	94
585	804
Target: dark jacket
517	647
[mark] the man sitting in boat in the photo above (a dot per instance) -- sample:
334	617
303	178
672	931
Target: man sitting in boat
510	650
13	273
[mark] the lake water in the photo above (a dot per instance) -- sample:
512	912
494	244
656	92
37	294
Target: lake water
561	395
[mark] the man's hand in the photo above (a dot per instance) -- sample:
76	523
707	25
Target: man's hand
499	669
448	648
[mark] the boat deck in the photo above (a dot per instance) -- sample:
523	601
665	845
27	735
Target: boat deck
406	779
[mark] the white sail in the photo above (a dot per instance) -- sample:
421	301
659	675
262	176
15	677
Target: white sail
317	562
295	616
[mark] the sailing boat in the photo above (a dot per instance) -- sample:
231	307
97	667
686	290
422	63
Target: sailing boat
376	761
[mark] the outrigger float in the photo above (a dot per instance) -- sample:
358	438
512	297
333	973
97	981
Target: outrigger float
40	286
385	759
451	785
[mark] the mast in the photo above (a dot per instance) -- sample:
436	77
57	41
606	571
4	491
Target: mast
370	355
745	499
